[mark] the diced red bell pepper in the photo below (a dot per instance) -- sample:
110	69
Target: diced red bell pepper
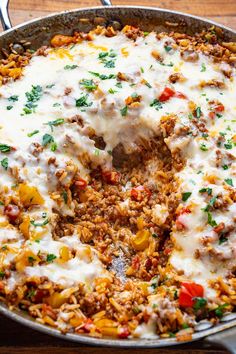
219	228
184	210
81	183
180	95
48	310
179	225
111	177
211	115
123	333
167	251
139	193
39	295
188	293
12	211
88	325
135	262
220	107
166	94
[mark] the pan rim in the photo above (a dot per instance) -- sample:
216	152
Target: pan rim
27	321
150	8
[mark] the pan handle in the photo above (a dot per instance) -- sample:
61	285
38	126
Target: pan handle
106	2
225	339
4	15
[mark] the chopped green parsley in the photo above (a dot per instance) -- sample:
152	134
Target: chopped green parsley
65	197
5	148
55	123
203	67
13	98
31	260
163	64
185	326
218	311
56	104
4	163
96	152
124	111
210	220
156	104
207	190
185	196
200	302
102	76
198	112
50	86
112	91
83	101
118	84
70	67
47	139
203	147
190	116
108	58
43	223
167	48
32	96
54	146
33	133
88	84
229	181
222	239
228	145
147	84
50	257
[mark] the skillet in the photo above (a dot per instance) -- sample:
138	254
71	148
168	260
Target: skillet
39	32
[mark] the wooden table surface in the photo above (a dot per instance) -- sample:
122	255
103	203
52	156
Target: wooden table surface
17	339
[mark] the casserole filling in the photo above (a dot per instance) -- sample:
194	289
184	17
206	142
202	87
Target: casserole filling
117	184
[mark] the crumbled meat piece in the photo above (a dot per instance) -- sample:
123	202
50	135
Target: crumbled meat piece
176	77
36	149
68	90
42	51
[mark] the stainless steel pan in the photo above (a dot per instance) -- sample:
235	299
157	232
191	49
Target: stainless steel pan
39	32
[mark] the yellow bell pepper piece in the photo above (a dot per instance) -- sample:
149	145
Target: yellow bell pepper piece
141	240
26	259
64	254
107	327
29	195
24	226
56	300
140	223
76	321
